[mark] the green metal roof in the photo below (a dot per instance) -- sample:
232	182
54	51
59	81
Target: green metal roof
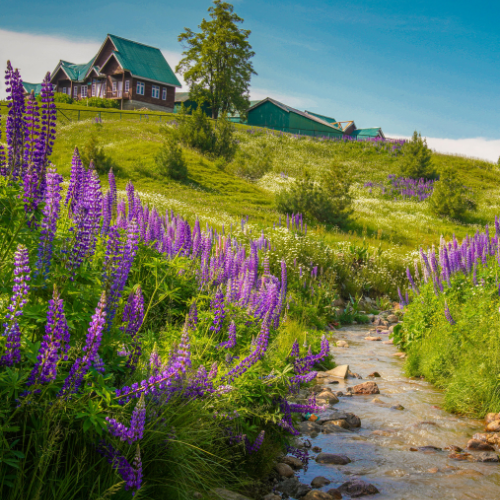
322	117
75	72
143	61
36	87
368	132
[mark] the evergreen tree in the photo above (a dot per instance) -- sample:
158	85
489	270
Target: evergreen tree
217	61
417	159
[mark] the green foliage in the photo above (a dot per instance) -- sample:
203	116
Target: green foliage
463	359
450	197
417	159
92	151
217	61
252	166
197	131
99	102
61	98
169	160
328	202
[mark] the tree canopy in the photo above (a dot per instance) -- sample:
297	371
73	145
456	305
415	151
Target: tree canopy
217	61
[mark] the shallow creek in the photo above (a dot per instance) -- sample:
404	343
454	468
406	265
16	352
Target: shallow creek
384	459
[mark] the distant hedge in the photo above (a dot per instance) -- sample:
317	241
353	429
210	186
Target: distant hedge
99	102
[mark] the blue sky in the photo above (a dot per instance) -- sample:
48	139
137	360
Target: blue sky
426	65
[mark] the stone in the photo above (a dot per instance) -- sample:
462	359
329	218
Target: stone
399	355
373	339
309	427
385	332
292	462
366	388
332	381
374	375
378	400
391	328
388	342
197	495
340	423
487	457
335	493
475	445
319	482
317	495
452	447
459	456
341	343
317	449
327	397
493	426
468	472
333	458
228	495
284	470
397	407
433	470
492	438
358	488
392	318
292	487
377	321
491	417
271	496
429	449
352	420
380	432
330	428
351	374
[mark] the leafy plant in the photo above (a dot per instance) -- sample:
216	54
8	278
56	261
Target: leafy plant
416	161
170	161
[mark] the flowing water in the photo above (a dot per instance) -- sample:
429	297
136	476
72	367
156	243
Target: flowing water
380	449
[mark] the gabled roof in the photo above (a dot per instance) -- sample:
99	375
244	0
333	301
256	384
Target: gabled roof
35	87
74	72
345	125
322	117
142	61
289	109
368	132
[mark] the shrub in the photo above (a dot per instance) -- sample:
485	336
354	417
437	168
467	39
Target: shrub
450	197
417	159
253	166
170	161
327	202
225	143
99	102
93	151
62	98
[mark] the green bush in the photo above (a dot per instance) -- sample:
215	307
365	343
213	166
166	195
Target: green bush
62	98
252	166
170	162
450	197
99	102
225	143
93	151
417	159
328	202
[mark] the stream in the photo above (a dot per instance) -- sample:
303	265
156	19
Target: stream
380	449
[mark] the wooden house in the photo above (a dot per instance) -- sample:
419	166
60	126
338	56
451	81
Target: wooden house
135	74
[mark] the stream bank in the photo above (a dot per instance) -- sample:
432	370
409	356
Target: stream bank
403	444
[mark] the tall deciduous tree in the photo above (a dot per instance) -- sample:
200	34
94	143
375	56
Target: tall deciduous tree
217	61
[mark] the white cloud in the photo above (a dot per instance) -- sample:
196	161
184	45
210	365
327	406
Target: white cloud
35	54
475	147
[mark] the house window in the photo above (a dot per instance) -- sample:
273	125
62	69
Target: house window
155	91
140	88
127	85
93	90
164	94
64	90
114	87
75	91
84	91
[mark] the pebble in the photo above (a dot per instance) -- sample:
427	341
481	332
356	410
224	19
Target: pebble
373	339
379	432
476	445
317	495
399	355
284	470
317	449
308	427
330	428
319	482
397	407
452	447
333	458
292	487
327	397
378	400
292	462
433	470
429	449
374	375
493	426
357	488
388	342
342	343
487	457
335	493
491	417
459	456
366	388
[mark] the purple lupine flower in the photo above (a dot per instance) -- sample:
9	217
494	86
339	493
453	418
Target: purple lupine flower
83	363
255	446
133	313
193	317
137	421
295	349
154	361
15	128
132	475
447	313
76	182
30	175
231	341
18	300
49	222
55	342
99	365
303	365
217	307
213	371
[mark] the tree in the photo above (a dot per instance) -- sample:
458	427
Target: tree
169	160
216	63
450	198
417	159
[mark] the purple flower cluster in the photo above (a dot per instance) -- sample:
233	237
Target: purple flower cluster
448	315
217	307
255	446
55	343
136	429
18	300
231	341
49	222
83	363
404	188
132	475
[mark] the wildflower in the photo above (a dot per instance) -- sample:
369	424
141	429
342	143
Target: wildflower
447	313
137	422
